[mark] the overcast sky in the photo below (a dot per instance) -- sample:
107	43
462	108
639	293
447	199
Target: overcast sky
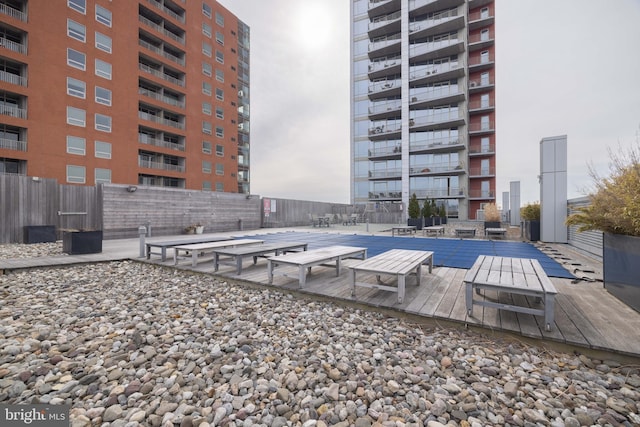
563	67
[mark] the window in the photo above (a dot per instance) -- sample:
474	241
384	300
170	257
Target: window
219	94
206	166
206	88
219	37
484	56
103	69
76	116
103	123
219	113
207	69
219	187
206	147
206	49
103	96
219	169
206	127
103	42
76	88
78	5
76	174
219	75
206	10
219	57
76	59
219	150
103	150
484	123
206	108
219	132
206	29
103	175
103	16
76	31
206	186
76	145
219	19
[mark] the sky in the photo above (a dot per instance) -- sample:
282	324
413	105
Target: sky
563	67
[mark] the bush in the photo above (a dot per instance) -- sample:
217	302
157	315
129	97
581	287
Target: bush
426	209
491	213
615	204
414	207
530	212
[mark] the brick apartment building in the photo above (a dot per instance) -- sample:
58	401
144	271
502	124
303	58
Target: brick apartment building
139	92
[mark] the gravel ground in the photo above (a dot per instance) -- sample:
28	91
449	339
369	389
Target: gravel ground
133	344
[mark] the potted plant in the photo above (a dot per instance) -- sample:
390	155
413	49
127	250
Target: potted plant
414	212
615	210
427	213
76	242
491	216
199	228
530	214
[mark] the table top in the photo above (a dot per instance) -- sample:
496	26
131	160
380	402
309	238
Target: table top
267	247
318	254
505	272
219	244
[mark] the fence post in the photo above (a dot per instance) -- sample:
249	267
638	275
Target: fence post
142	231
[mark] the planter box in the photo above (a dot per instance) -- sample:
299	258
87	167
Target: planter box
492	224
620	260
39	233
532	230
417	222
82	242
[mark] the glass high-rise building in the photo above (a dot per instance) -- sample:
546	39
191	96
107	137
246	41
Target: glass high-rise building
423	103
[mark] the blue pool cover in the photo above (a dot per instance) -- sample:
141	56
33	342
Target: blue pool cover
455	253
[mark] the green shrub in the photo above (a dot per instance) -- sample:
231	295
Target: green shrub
530	212
414	207
426	209
615	203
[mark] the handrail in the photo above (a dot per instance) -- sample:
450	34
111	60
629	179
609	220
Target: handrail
10	144
14	13
14	46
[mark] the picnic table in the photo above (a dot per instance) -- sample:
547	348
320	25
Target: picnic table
433	230
403	229
499	232
236	254
196	250
396	262
517	276
168	244
305	260
465	232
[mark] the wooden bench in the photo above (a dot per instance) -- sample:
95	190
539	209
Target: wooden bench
396	262
433	230
197	250
168	244
237	254
465	232
519	276
305	260
498	232
403	229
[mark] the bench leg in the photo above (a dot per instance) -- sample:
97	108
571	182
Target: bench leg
401	285
468	294
418	274
238	264
353	283
270	267
302	275
549	310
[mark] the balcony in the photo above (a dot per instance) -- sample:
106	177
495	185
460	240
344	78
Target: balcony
11	78
160	97
443	22
480	18
384	68
384	25
433	96
385	153
437	169
480	85
384	89
436	49
160	164
476	150
158	118
385	195
12	144
385	131
385	46
482	194
482	172
479	63
13	111
440	193
425	74
159	142
440	145
421	7
482	40
175	15
437	120
153	71
161	29
481	128
481	106
13	46
383	7
13	13
161	51
385	110
390	173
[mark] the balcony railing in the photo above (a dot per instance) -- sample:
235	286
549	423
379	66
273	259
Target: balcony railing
481	37
427	70
384	20
384	85
386	106
439	117
11	144
8	110
480	15
385	151
161	29
387	41
436	19
14	13
160	120
385	195
157	142
161	52
481	105
480	60
478	150
385	129
435	168
434	143
478	84
13	78
385	173
14	46
160	74
151	164
482	171
482	194
437	193
421	48
436	92
481	127
160	6
160	97
381	65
